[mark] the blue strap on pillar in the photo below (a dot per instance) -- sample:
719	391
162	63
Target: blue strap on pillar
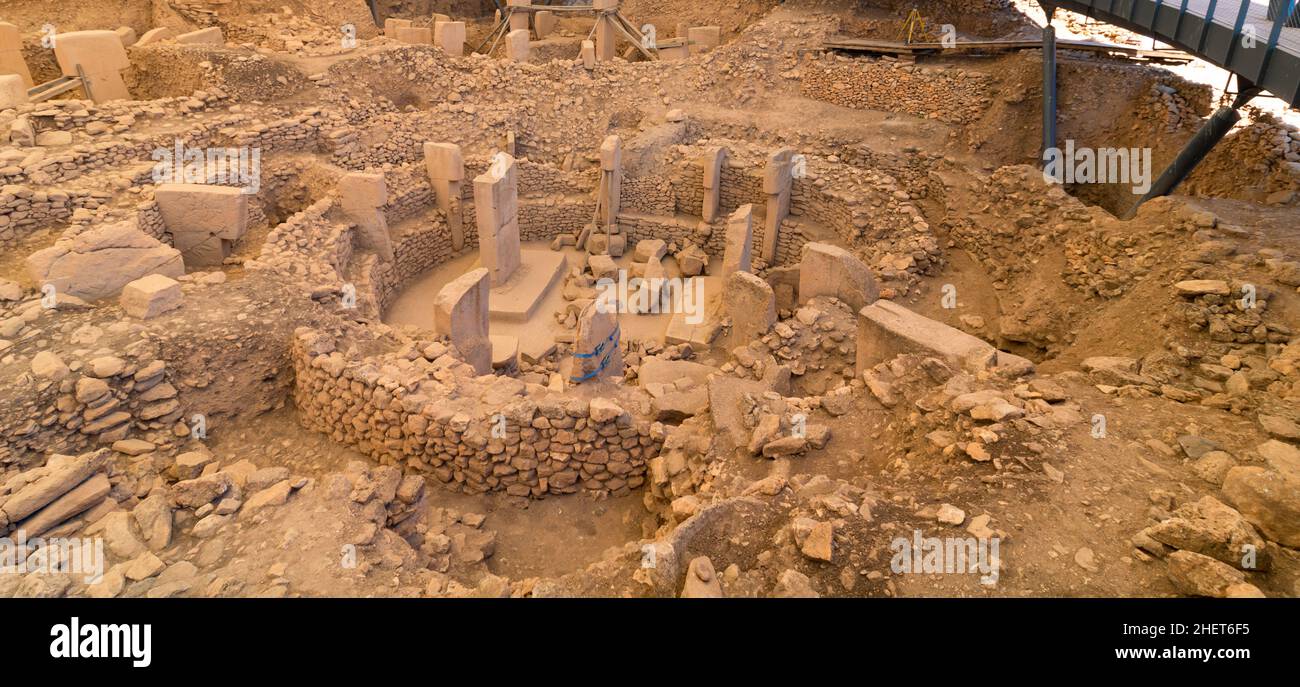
610	343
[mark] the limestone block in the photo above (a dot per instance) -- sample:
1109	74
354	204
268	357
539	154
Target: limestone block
713	163
392	24
603	267
496	211
777	184
414	35
611	165
588	55
611	153
671	50
517	42
650	250
209	36
596	344
461	313
151	296
444	161
450	36
828	270
749	302
363	190
886	329
101	57
97	263
704	38
13	91
505	351
519	18
204	220
153	36
606	33
127	34
21	132
11	53
740	238
446	168
220	211
543	23
73	503
363	197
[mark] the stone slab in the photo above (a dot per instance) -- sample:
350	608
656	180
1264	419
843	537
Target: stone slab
886	329
518	298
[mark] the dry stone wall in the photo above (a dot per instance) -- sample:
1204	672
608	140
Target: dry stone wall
956	96
24	209
428	413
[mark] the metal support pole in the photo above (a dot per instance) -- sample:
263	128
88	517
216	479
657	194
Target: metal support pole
1049	81
1209	135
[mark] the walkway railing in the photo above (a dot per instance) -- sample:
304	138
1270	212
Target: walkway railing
1258	40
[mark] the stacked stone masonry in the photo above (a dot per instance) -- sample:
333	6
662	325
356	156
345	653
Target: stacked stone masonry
471	436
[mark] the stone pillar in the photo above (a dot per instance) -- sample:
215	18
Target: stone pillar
414	35
749	302
13	91
713	164
543	23
827	270
588	55
11	54
391	25
740	237
517	45
606	34
204	220
704	38
519	18
101	57
605	237
777	182
596	352
446	172
461	313
450	36
496	203
611	168
364	196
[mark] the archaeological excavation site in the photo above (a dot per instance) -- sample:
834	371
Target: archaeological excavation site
507	299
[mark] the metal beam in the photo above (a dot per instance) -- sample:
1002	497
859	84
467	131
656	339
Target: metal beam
1209	135
1049	81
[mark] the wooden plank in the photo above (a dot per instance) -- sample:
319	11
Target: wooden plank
49	89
